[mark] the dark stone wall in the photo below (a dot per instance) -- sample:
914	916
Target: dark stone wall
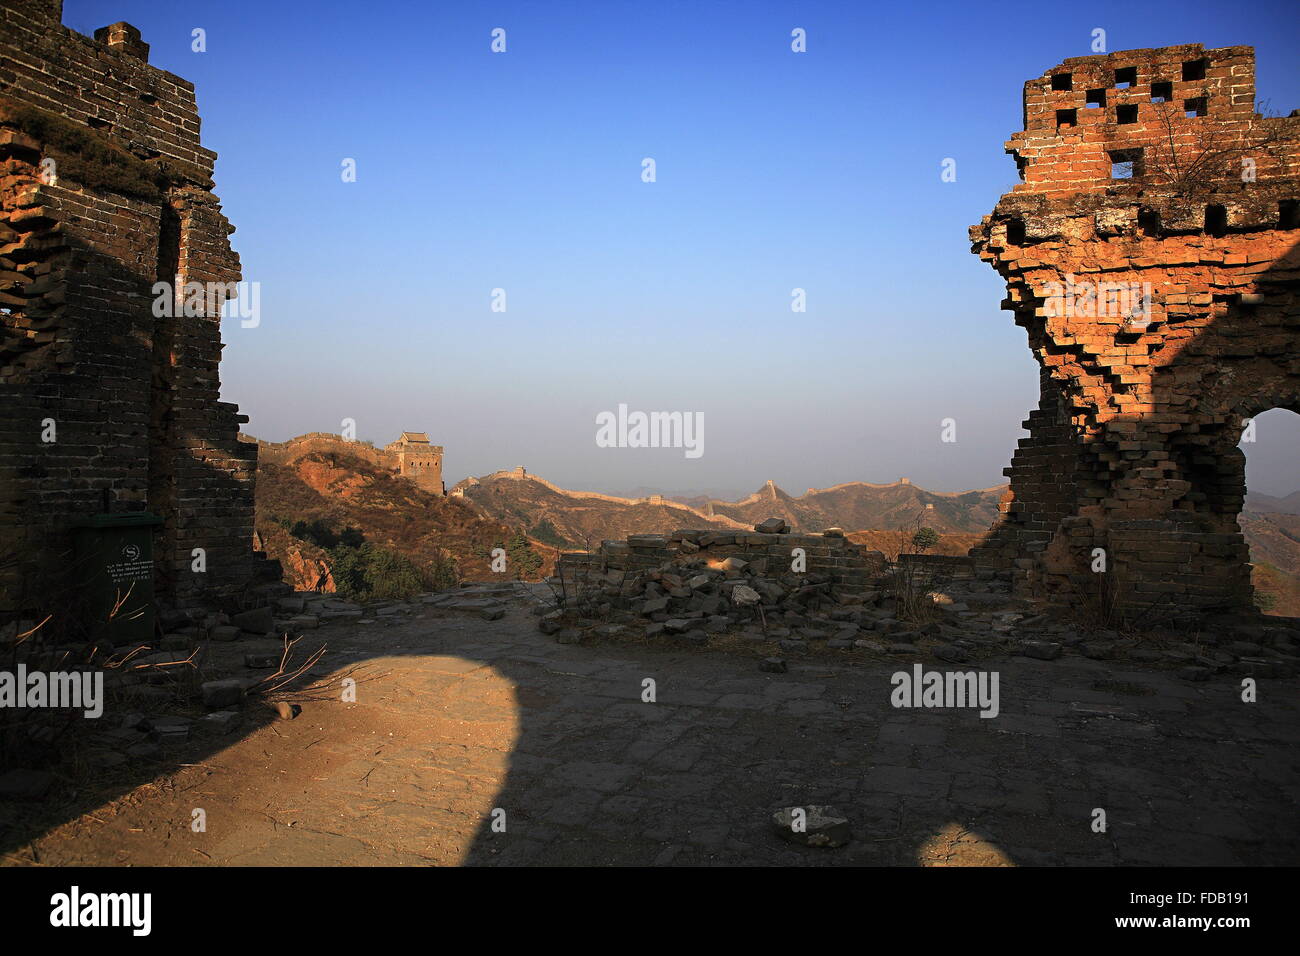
105	190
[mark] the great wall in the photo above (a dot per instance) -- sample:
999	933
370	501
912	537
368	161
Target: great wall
520	473
679	697
1131	453
410	456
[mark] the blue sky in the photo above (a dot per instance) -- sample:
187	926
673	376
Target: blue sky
522	171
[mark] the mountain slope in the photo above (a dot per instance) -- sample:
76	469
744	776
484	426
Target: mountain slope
858	506
340	491
1274	539
580	517
1258	502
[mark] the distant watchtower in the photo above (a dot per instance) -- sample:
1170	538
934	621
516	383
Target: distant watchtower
418	460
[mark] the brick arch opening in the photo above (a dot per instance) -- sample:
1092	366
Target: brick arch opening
1270	516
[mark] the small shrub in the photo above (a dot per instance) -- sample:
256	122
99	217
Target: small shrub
444	574
546	533
1265	601
521	560
924	539
370	573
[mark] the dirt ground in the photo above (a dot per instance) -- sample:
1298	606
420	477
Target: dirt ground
460	723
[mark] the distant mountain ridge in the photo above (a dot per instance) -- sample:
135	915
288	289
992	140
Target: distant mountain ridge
343	490
1290	505
580	517
860	505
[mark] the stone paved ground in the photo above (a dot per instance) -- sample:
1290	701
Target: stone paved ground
463	715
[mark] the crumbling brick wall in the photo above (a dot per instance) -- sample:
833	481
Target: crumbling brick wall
285	452
106	190
1151	255
849	568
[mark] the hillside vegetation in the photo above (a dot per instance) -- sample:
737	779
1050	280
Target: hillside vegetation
337	522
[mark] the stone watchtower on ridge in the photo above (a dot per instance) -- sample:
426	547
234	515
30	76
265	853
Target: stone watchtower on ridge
418	460
106	190
1150	253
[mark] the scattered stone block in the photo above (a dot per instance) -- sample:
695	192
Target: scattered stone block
1097	650
328	614
654	606
816	826
105	760
1262	667
220	721
260	620
952	654
222	693
171	729
21	784
1042	650
145	750
293	604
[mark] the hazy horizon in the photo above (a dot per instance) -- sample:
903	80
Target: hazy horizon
1264	474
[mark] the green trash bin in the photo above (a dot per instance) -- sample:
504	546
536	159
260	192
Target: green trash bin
114	554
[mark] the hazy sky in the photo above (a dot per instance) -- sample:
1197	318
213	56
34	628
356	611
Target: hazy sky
522	171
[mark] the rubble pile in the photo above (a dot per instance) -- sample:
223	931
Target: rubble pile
699	588
690	585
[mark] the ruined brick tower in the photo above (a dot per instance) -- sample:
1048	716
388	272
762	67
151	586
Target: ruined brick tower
1151	255
106	191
